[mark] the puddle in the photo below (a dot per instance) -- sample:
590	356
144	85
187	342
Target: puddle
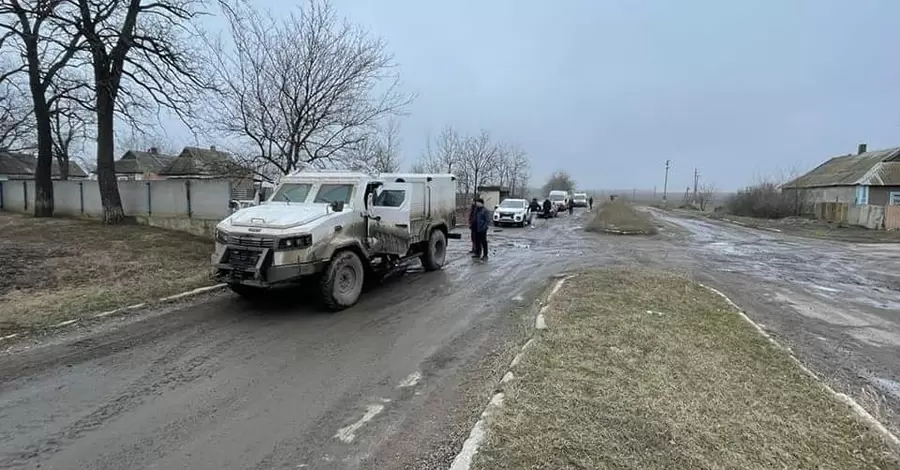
891	387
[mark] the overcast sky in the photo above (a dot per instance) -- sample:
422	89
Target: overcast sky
609	89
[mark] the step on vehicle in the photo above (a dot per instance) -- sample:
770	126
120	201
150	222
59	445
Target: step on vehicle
336	229
512	212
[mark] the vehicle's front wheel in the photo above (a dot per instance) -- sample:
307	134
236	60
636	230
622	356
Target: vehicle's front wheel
247	292
342	281
435	251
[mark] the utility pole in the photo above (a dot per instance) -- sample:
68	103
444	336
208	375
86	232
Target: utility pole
696	180
666	182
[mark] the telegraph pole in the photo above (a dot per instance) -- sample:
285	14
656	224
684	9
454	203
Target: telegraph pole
696	180
666	182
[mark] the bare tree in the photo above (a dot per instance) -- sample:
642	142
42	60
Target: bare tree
69	128
142	60
443	154
705	195
135	138
45	47
303	89
480	158
559	181
16	119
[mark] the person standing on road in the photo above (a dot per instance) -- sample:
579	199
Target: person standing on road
571	206
591	202
481	223
472	224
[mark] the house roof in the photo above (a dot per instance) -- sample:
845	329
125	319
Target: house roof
22	164
876	168
140	162
195	161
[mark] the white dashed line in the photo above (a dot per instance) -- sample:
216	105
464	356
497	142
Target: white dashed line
411	380
348	434
65	323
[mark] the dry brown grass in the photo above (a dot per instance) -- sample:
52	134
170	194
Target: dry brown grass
620	217
648	370
55	269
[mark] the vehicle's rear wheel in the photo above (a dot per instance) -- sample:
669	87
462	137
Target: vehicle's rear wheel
342	281
435	251
247	292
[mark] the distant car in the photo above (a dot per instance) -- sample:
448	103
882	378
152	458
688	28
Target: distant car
553	212
580	199
512	212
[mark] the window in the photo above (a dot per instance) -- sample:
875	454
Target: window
894	198
329	193
862	195
292	192
512	204
390	198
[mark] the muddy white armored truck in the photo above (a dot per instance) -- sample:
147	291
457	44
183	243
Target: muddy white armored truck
336	229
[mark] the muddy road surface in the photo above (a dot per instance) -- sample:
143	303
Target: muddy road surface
394	382
835	304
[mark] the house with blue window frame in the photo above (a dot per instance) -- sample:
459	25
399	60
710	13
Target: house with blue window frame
863	178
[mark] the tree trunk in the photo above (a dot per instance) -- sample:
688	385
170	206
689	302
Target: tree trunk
63	163
43	173
106	170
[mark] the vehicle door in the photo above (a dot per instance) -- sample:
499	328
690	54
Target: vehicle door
389	220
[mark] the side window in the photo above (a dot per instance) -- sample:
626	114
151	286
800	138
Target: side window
895	198
390	198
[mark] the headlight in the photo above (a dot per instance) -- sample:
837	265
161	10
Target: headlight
301	241
221	236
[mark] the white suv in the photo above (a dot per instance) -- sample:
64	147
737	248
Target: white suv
512	212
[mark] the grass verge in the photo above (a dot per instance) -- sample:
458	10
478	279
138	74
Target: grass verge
620	217
55	269
648	370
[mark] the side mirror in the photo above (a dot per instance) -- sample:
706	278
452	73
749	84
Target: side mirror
337	206
495	207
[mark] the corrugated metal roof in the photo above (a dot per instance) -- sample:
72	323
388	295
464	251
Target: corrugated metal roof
21	164
138	162
851	170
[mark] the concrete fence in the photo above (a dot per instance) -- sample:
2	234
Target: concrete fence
194	206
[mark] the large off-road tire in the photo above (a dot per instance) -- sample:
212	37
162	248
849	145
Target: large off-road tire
247	292
435	251
342	281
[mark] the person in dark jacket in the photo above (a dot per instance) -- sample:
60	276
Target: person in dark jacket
481	222
548	206
571	206
535	206
472	224
591	202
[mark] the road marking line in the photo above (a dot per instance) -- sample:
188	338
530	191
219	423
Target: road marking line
411	380
200	290
858	410
65	323
508	377
9	336
348	433
539	322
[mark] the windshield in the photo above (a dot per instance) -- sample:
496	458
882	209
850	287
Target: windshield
557	197
329	193
292	192
512	204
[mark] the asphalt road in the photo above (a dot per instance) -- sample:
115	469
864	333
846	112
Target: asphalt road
395	382
834	304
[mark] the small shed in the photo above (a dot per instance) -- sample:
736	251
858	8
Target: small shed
492	195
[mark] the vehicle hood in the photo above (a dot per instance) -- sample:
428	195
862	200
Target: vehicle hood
279	215
511	210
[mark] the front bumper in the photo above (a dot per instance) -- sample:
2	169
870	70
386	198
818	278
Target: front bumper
253	267
509	219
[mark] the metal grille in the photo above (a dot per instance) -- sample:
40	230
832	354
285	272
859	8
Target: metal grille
243	258
250	241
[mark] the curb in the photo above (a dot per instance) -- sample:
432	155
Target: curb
857	409
463	460
164	300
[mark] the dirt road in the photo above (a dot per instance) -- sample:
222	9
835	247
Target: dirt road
837	305
395	382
